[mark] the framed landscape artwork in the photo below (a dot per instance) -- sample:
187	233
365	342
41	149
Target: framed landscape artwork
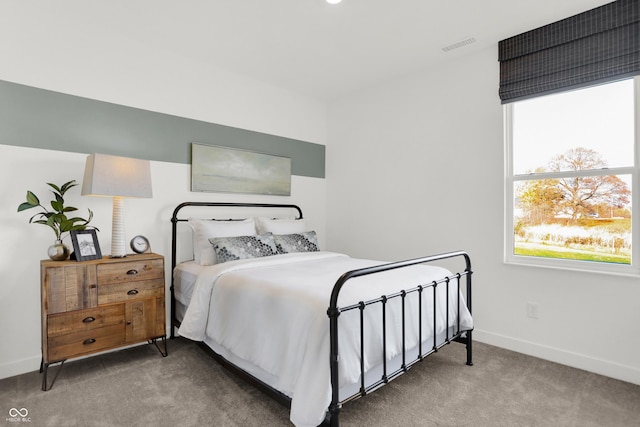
229	170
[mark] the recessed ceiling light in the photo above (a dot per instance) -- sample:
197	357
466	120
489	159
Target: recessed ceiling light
333	1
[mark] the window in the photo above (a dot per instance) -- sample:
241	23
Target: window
572	177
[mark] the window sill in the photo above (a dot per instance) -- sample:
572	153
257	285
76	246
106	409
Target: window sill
574	265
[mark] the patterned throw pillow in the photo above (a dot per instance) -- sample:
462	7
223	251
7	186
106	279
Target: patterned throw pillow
243	247
297	242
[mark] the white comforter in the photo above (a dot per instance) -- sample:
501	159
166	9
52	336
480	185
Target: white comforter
272	312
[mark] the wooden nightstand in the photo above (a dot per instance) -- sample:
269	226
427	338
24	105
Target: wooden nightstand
98	305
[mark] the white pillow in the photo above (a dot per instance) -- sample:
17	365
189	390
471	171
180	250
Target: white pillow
280	226
204	229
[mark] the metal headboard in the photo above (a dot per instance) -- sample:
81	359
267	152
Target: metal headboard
175	219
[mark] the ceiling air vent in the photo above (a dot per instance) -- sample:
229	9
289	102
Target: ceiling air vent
458	44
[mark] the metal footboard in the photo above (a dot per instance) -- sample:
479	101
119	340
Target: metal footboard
457	335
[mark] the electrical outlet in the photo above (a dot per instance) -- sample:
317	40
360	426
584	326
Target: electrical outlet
533	310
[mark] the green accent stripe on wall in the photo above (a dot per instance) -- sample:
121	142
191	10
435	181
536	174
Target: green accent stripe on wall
38	118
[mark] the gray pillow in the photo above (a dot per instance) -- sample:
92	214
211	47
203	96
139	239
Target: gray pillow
297	242
243	247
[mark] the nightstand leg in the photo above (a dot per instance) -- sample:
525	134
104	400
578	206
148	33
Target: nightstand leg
164	352
44	368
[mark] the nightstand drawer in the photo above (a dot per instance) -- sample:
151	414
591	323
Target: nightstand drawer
83	342
130	271
128	291
83	320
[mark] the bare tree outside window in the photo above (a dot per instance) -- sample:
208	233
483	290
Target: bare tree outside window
580	217
571	172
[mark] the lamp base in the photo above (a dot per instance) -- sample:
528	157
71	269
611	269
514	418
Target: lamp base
118	246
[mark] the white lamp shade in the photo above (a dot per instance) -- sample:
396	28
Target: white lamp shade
106	175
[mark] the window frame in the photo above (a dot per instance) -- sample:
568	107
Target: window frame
632	269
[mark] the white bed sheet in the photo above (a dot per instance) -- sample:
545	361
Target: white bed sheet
184	277
268	315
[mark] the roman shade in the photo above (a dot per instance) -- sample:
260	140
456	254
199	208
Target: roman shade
597	46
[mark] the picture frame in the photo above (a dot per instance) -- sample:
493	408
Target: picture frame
232	170
85	245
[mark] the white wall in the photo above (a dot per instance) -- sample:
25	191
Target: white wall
166	84
415	167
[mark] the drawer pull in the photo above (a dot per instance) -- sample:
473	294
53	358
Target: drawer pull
132	272
132	292
89	341
88	319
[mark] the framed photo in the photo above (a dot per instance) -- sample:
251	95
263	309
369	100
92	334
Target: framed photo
85	245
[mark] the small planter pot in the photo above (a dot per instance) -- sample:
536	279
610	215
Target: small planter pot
58	251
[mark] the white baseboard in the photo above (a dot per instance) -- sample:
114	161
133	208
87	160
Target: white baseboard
598	366
31	364
19	367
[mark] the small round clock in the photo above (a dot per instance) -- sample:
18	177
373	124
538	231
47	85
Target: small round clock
140	244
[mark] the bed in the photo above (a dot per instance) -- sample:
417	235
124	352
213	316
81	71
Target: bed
314	328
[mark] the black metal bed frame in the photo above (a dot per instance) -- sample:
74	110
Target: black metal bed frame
334	311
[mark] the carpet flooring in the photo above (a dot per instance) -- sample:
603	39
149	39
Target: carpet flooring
138	387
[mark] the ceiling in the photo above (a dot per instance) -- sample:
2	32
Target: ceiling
307	46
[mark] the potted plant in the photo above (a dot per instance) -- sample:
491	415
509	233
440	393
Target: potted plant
57	218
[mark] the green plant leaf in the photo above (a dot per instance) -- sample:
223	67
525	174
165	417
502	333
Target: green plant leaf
68	185
77	219
41	215
25	205
51	221
66	225
69	209
57	205
55	187
32	199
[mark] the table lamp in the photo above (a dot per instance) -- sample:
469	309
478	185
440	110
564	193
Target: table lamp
116	177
